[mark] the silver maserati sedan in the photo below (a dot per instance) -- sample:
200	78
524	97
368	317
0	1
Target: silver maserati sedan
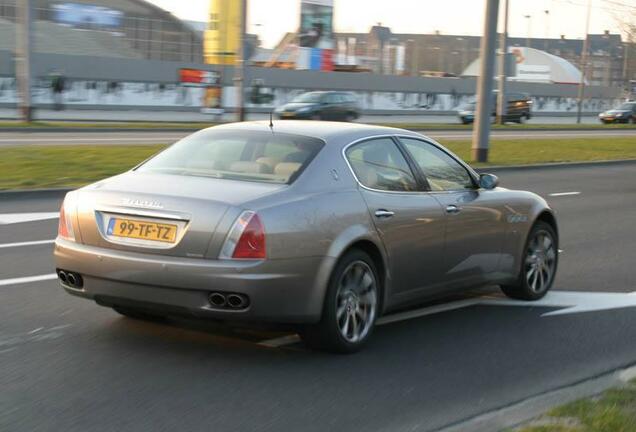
321	226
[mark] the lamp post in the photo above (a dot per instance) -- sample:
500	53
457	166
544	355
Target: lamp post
503	56
584	62
23	59
240	70
529	18
481	133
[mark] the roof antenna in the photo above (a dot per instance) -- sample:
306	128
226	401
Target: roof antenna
271	123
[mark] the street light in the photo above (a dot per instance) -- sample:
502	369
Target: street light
529	18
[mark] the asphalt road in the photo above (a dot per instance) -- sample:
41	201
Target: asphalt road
142	138
67	364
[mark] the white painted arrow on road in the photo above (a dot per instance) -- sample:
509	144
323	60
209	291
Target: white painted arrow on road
568	302
574	302
12	218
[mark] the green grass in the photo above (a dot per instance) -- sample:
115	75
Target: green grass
66	166
524	152
29	167
613	411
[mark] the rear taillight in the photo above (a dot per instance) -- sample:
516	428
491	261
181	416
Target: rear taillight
246	239
65	226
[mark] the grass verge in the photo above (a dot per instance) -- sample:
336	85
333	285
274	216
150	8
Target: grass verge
612	411
31	167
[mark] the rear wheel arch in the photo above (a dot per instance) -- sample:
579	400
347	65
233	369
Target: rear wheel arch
373	250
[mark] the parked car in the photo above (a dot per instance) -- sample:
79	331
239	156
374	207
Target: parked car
623	114
519	109
321	226
321	105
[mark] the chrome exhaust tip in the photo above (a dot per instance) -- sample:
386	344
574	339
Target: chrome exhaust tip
72	280
236	301
217	300
62	276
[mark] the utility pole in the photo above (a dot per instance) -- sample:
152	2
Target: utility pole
240	70
502	103
547	30
481	134
23	59
584	62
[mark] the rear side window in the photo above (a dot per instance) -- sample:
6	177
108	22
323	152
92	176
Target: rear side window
237	155
379	164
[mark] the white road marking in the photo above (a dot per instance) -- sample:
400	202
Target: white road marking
36	330
12	218
558	194
569	302
29	243
28	279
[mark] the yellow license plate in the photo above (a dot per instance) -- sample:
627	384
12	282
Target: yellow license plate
288	114
136	229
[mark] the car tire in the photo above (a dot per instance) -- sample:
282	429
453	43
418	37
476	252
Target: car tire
138	314
538	264
316	117
350	307
350	117
522	119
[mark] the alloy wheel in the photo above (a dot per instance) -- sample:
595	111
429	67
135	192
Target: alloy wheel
540	261
356	301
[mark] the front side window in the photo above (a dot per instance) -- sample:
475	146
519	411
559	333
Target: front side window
379	164
313	97
237	155
442	171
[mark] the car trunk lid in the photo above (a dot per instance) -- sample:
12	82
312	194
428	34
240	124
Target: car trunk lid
162	214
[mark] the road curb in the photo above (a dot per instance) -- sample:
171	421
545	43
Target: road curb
527	409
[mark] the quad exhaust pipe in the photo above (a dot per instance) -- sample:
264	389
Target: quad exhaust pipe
71	279
228	301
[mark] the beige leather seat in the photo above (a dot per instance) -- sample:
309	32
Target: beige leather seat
286	169
271	162
249	167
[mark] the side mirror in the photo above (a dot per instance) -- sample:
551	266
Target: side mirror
488	181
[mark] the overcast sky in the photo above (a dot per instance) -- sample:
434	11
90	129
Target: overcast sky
272	18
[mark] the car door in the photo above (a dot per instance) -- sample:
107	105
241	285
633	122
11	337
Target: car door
410	222
475	222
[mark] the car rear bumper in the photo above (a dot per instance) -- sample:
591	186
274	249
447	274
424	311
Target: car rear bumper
282	291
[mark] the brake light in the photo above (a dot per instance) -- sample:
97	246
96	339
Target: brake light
65	226
246	239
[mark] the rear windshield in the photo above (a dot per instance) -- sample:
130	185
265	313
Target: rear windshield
237	155
627	106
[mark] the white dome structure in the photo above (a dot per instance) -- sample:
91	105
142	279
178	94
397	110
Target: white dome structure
534	65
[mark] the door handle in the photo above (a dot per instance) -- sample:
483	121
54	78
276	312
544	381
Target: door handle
383	214
453	209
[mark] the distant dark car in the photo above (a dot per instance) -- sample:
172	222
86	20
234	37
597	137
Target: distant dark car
518	110
623	114
321	105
